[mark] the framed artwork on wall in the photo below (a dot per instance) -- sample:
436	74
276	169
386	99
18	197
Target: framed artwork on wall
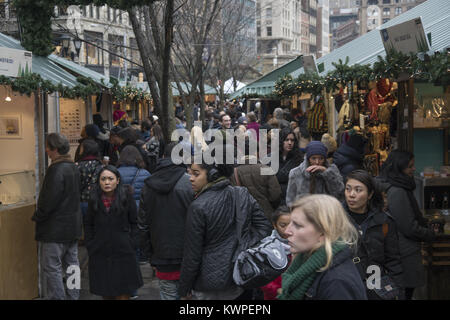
11	126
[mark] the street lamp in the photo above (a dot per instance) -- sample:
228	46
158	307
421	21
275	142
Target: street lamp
77	44
65	41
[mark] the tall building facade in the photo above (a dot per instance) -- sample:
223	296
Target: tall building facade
107	37
373	13
285	29
323	28
344	26
278	32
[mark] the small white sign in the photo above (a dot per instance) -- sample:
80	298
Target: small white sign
407	37
15	63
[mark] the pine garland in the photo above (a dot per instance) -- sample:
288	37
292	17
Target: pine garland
31	82
435	69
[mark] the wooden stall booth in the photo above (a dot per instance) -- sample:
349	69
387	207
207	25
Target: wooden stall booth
18	249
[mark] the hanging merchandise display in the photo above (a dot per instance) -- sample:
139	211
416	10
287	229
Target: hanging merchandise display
318	120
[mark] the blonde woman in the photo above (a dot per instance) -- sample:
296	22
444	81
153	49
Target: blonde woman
197	139
320	236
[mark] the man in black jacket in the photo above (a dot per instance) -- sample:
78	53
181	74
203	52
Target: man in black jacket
58	221
165	200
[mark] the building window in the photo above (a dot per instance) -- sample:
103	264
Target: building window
135	54
84	11
97	12
386	12
372	2
120	16
108	13
94	55
386	1
269	12
269	31
116	48
114	12
258	31
91	11
398	10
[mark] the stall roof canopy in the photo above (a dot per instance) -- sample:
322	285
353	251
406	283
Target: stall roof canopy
47	69
264	85
184	87
435	16
80	70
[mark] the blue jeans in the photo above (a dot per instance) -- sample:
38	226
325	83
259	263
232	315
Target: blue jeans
168	289
84	208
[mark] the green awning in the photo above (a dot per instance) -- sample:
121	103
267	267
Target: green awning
43	66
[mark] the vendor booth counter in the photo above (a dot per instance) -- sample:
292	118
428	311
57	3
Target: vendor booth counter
18	248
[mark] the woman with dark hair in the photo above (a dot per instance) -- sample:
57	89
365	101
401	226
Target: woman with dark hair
131	137
397	174
131	166
89	166
111	238
378	243
155	146
290	158
221	220
92	132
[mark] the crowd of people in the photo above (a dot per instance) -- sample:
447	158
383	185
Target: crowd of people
134	205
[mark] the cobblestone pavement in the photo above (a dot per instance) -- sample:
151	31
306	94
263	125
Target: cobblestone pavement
149	291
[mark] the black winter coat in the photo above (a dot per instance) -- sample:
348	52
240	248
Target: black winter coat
293	160
58	215
347	159
165	200
111	241
374	248
412	231
341	281
211	243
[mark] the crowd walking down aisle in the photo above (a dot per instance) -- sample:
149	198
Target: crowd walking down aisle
140	224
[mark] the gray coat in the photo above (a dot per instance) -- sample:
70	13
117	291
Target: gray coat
327	182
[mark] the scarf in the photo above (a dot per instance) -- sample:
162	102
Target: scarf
402	181
209	185
303	271
62	158
408	184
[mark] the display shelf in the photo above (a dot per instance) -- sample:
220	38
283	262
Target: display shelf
17	188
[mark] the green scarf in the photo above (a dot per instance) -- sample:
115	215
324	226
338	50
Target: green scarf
209	185
303	271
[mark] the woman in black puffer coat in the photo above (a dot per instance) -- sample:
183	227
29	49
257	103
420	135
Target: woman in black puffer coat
378	243
211	241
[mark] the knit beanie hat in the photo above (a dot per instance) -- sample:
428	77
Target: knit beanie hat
316	148
329	142
357	142
241	120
